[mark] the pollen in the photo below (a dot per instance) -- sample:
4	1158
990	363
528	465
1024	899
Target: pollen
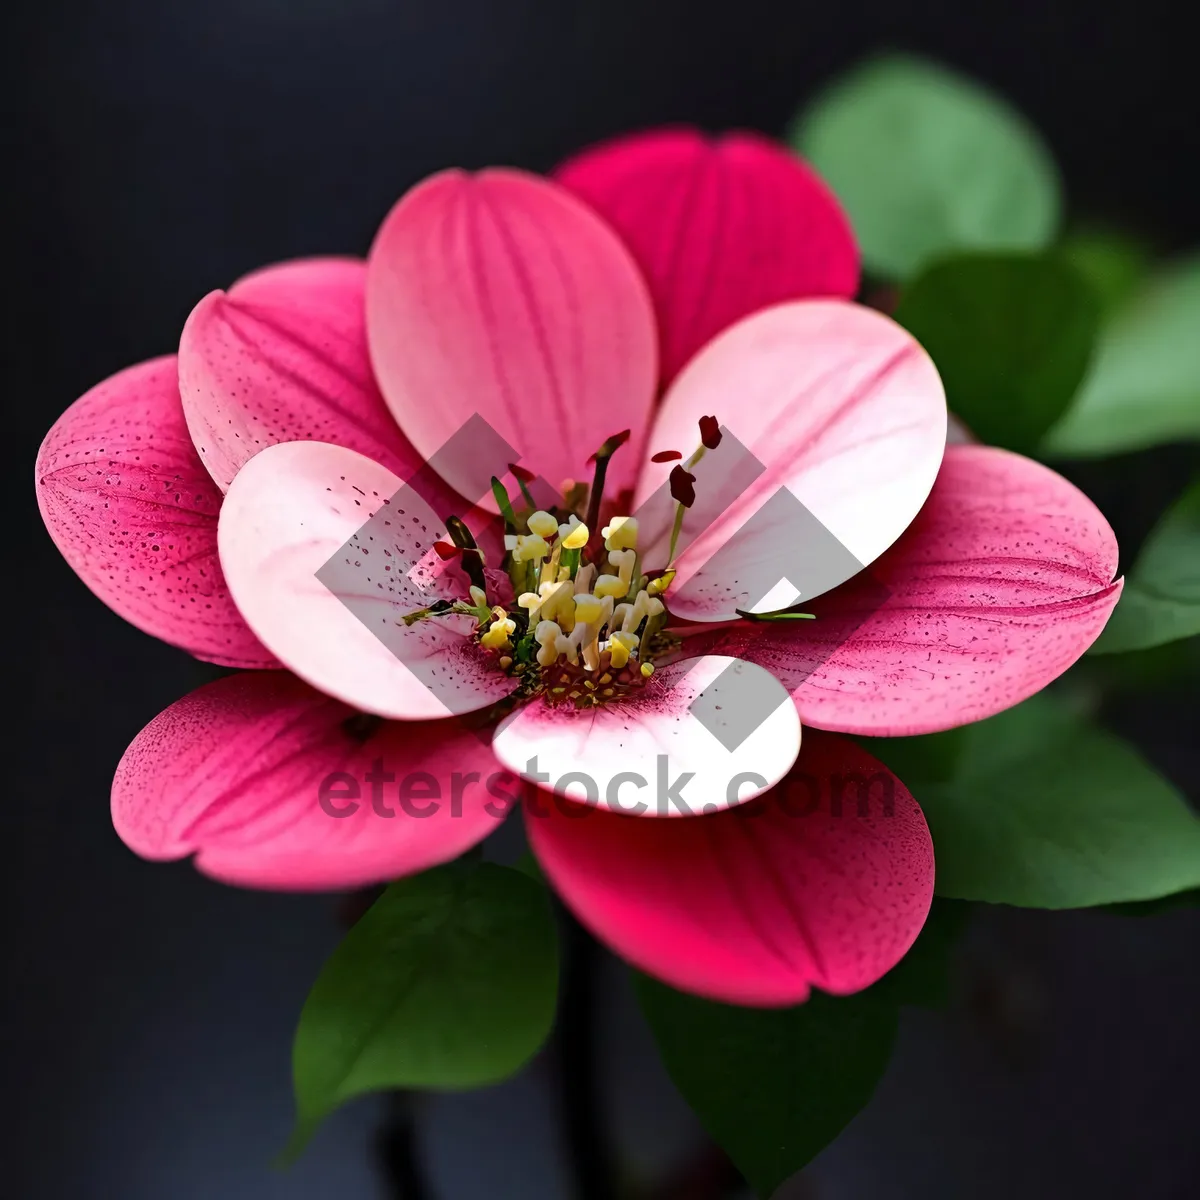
588	608
611	585
574	535
530	548
542	524
621	533
497	635
620	647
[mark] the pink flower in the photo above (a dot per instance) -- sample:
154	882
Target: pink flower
199	497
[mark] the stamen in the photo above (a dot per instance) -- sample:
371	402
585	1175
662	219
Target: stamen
583	577
710	433
621	533
611	585
524	478
624	561
601	457
587	608
620	647
542	524
530	547
504	504
496	637
574	534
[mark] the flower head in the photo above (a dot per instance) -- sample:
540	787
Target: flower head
300	494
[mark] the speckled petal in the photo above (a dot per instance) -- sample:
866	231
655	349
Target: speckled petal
1001	583
272	785
824	881
282	357
134	512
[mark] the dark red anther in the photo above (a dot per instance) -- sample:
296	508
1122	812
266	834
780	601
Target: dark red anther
447	550
710	433
611	446
683	486
521	473
665	456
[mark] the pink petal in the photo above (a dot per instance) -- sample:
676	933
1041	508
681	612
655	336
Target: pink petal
842	409
820	883
133	511
651	754
500	294
720	226
295	507
283	357
269	784
1002	582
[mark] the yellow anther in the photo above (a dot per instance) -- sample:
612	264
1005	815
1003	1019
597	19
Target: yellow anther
647	670
479	596
611	585
620	647
530	548
656	587
559	605
542	524
587	608
497	635
529	600
621	533
505	662
574	534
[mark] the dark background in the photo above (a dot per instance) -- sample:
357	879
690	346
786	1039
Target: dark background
162	149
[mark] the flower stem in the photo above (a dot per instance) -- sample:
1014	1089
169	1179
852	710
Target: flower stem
396	1145
578	1074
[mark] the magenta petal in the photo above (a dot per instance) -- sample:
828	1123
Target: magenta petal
1001	583
296	507
282	357
720	227
133	511
500	294
269	784
815	884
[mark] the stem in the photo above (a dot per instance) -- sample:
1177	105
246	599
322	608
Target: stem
396	1145
578	1075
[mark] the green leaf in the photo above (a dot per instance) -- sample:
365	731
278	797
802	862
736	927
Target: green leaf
449	981
773	1087
1152	908
1046	810
1113	263
927	163
1011	336
1160	602
1143	388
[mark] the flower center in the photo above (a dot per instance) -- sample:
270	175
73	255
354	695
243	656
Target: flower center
588	620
